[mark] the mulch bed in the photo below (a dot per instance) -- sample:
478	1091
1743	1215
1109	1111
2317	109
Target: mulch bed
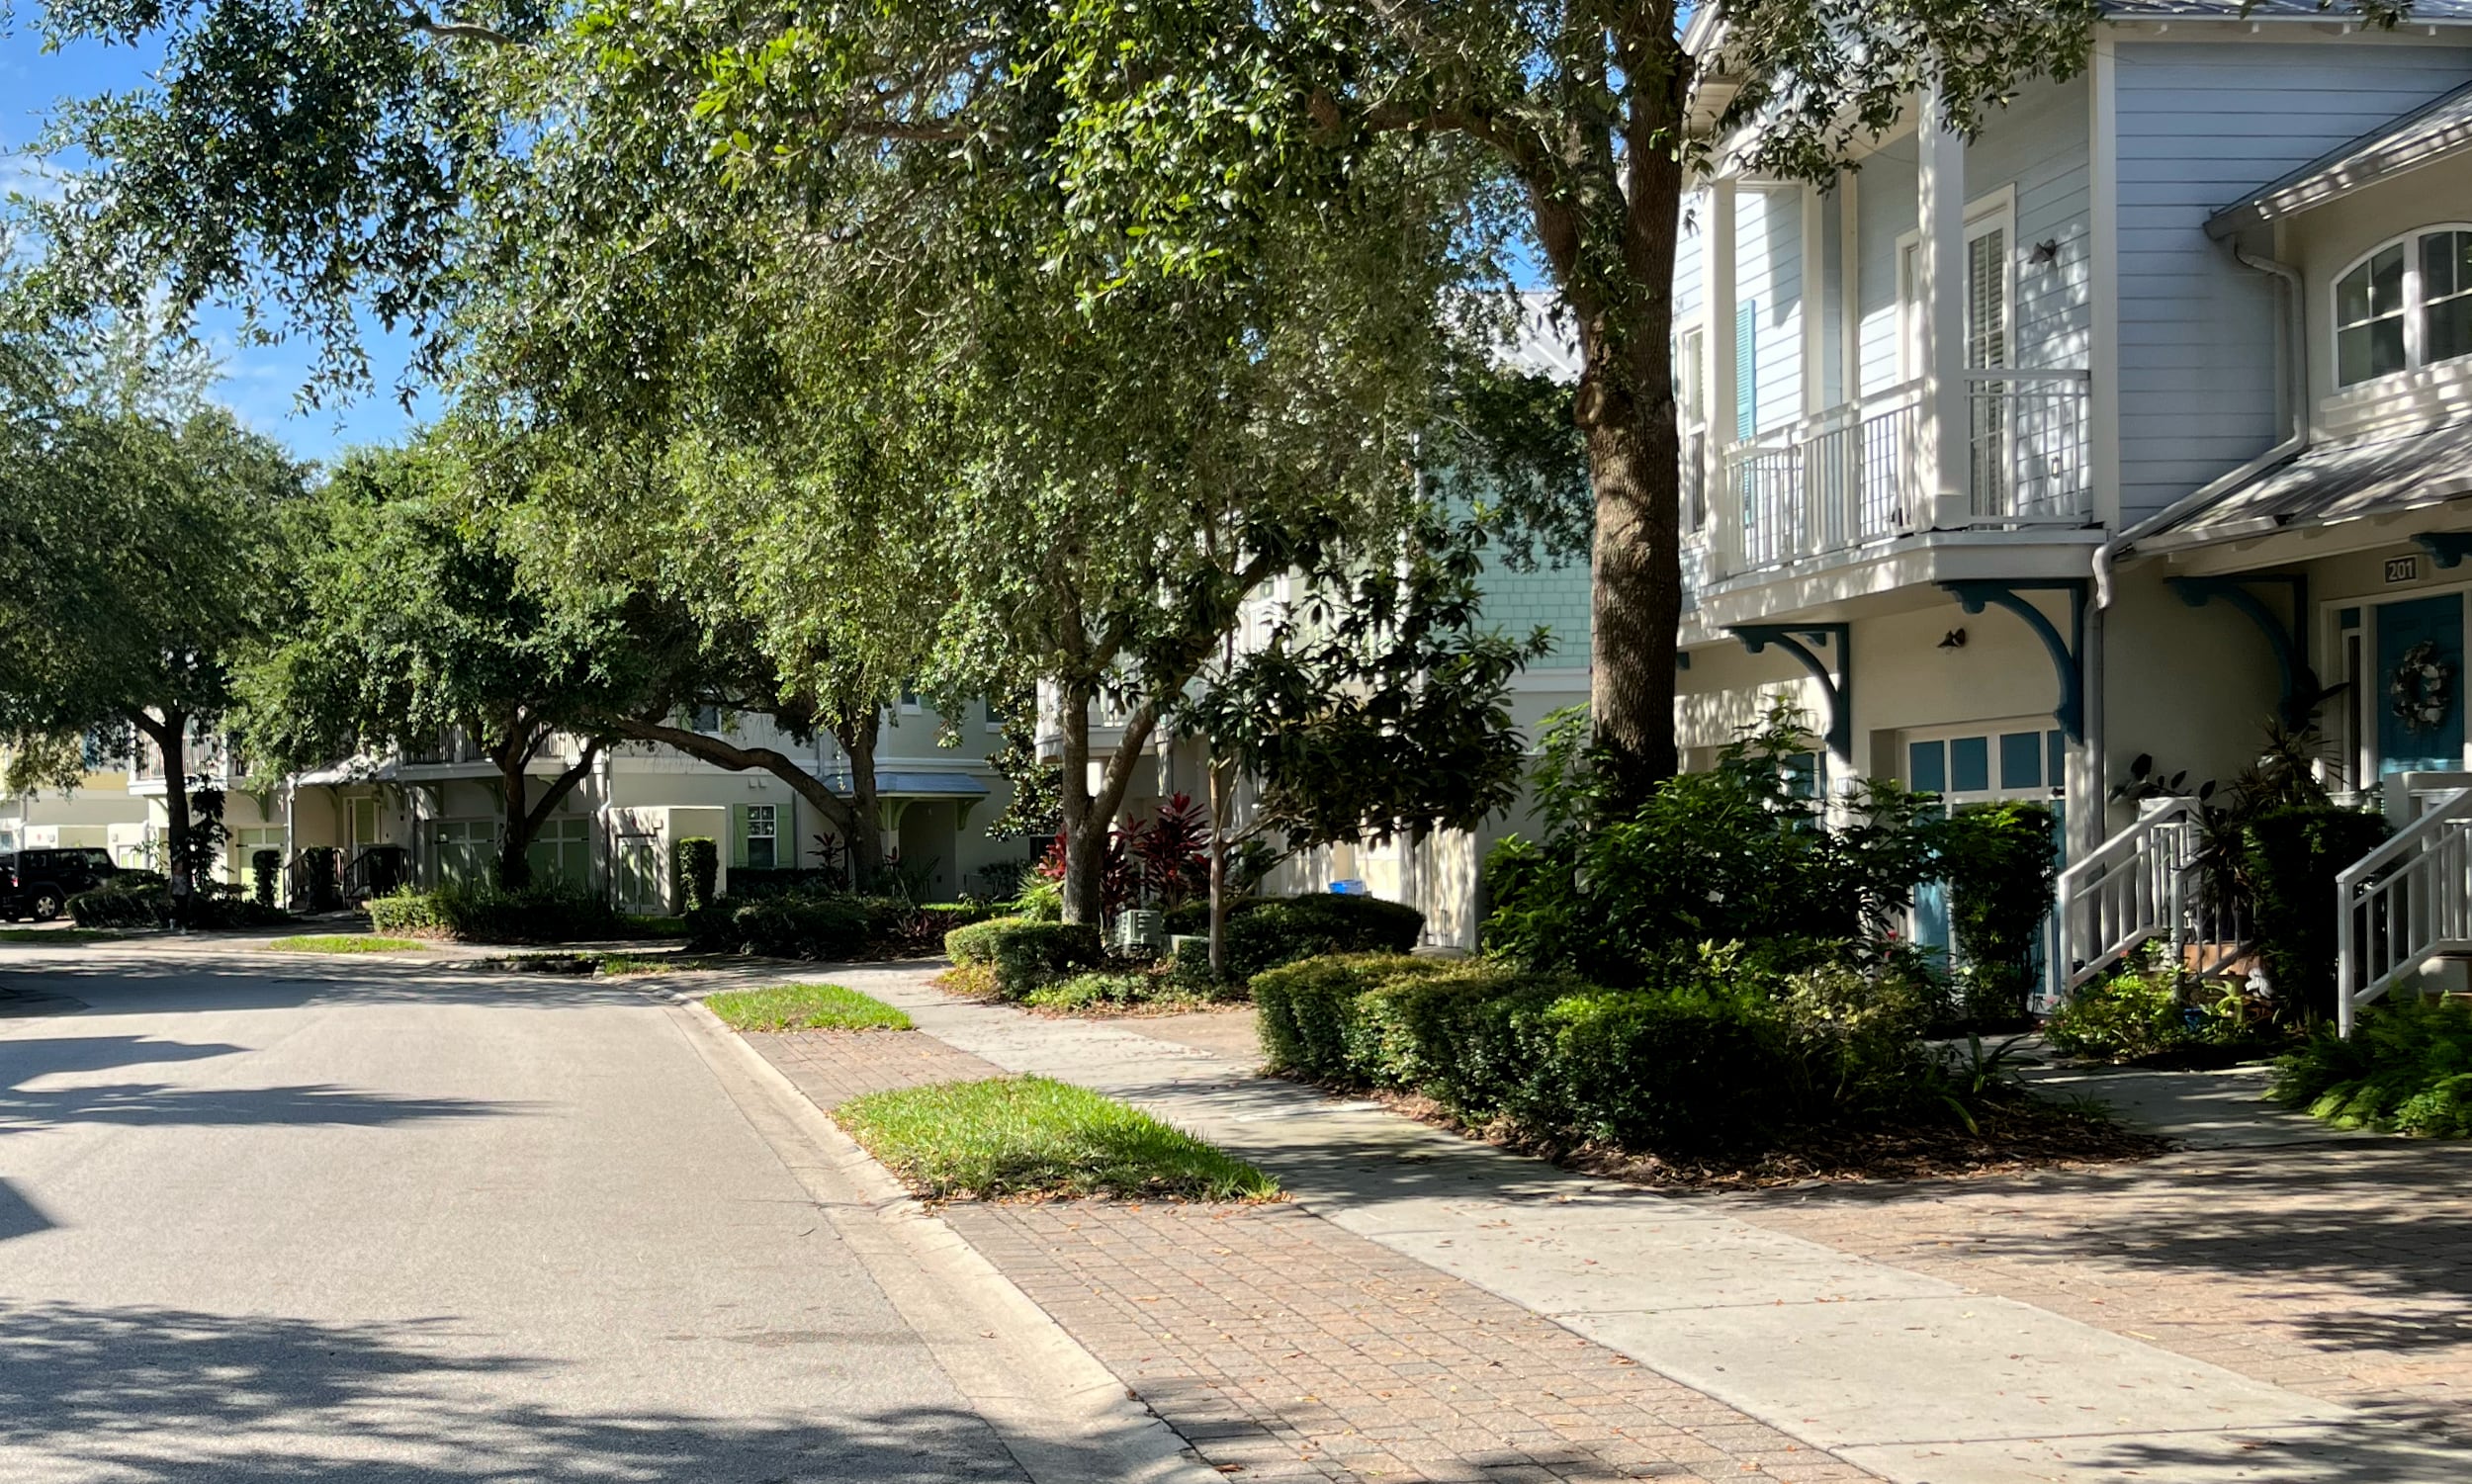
2026	1133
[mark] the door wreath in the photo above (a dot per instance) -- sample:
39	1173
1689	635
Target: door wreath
2418	690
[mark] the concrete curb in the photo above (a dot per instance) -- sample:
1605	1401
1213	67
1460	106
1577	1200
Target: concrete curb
1051	1402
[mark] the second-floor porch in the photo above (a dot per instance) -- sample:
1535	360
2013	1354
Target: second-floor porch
1862	473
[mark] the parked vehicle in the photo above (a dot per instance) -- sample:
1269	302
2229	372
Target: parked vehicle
37	884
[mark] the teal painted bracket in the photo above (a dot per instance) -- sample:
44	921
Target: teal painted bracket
2068	661
2446	548
2290	643
1839	684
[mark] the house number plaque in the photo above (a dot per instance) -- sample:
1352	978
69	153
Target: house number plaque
2403	569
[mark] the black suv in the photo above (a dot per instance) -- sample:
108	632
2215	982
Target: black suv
37	884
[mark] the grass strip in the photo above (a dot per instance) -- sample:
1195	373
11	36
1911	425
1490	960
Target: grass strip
62	936
1032	1138
804	1007
345	943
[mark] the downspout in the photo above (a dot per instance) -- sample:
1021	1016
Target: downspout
2297	443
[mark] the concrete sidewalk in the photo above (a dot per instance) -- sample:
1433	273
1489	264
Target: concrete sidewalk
1910	1377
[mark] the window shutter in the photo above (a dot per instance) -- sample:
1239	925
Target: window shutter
737	835
1987	301
1747	374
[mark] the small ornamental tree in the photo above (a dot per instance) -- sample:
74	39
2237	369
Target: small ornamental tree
1375	706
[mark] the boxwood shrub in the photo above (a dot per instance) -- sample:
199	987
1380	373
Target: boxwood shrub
1726	1057
550	912
1263	933
1024	955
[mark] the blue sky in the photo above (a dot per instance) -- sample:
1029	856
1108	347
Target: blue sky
259	381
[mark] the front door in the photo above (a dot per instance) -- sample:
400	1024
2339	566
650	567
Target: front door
2420	683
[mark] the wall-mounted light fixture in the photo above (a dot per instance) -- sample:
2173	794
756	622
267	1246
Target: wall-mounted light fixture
2045	253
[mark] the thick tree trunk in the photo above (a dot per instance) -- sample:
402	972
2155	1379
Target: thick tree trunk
514	850
1085	826
171	740
1626	401
1221	790
864	831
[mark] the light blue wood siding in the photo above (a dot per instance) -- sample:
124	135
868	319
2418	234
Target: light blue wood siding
1690	257
1768	254
1884	208
2199	125
2040	146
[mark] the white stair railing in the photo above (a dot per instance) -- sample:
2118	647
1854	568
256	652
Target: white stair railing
2402	904
2142	885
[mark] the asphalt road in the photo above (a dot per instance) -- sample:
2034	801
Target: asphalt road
282	1219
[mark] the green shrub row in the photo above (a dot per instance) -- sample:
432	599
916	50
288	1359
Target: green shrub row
1025	955
142	898
826	928
552	912
1731	1056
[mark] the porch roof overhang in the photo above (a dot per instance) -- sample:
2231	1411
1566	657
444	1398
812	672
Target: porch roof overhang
918	785
2331	483
1891	576
2438	130
341	773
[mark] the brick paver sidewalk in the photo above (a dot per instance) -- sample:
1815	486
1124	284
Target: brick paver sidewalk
1284	1347
2342	1272
831	1066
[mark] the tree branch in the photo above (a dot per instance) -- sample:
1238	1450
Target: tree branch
460	31
539	813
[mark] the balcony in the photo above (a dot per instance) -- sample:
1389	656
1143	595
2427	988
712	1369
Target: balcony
1856	474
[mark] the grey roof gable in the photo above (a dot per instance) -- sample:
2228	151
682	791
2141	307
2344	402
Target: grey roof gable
2437	130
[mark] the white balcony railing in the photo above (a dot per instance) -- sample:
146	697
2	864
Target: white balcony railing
1855	473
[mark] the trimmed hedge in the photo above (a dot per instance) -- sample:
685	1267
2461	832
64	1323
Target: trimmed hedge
141	899
554	912
1025	955
695	865
1263	933
1727	1059
836	928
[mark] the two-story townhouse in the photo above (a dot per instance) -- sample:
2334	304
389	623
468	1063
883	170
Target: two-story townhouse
88	813
434	817
1952	409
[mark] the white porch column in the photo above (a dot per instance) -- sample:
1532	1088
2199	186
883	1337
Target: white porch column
1850	285
1725	504
1940	306
1814	368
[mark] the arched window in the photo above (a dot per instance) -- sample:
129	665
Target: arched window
2403	306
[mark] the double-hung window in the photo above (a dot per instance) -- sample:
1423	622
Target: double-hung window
763	828
2405	306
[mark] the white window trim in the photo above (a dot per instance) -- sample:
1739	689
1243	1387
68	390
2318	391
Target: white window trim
1995	210
2415	302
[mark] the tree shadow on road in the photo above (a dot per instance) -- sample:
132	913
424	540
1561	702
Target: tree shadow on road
27	1060
145	1394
